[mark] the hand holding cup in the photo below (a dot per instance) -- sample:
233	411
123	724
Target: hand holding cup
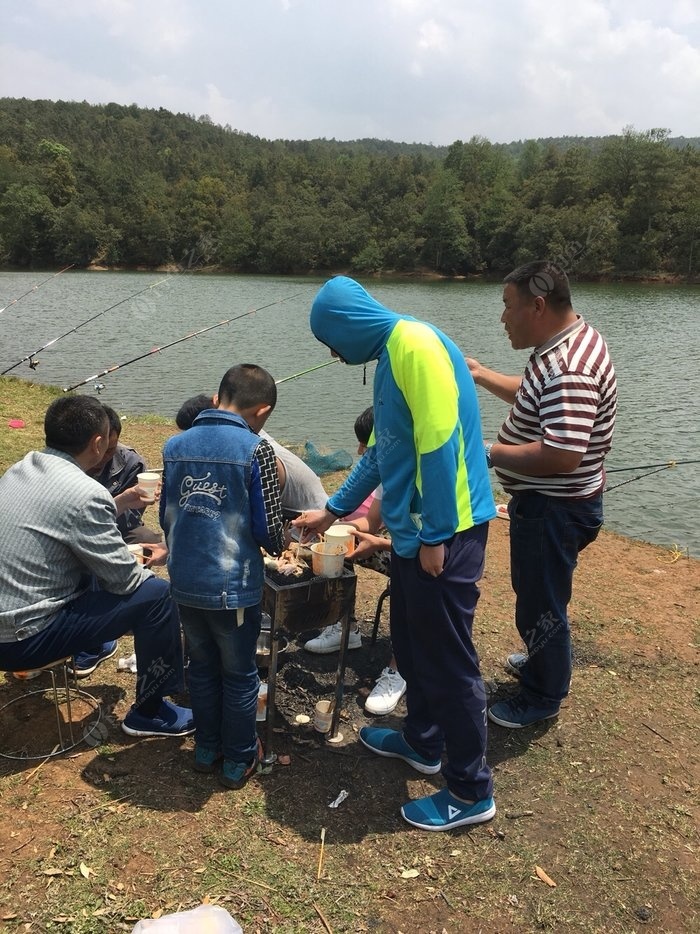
148	484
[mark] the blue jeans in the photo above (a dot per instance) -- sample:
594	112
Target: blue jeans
546	536
223	678
97	617
431	634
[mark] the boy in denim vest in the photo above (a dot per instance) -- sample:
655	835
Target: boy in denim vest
219	505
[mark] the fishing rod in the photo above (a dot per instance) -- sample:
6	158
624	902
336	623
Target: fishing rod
304	372
33	364
180	340
34	288
649	473
648	466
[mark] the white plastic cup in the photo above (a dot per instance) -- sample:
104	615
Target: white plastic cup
327	560
137	552
340	534
148	482
323	715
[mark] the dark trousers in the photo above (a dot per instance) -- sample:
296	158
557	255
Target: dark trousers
223	678
431	634
546	536
97	617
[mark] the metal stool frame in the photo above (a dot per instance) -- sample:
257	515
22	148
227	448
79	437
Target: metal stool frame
64	745
378	614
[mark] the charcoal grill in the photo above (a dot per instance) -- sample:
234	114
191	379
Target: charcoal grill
296	608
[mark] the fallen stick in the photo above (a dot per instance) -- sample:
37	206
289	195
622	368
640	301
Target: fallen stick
320	854
41	764
235	875
106	804
660	735
323	918
22	845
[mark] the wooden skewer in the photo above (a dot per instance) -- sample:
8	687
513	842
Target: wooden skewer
320	855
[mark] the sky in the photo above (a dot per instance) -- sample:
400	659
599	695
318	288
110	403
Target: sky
427	71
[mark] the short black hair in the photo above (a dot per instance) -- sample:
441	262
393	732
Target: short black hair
71	422
115	423
247	385
190	409
542	278
364	425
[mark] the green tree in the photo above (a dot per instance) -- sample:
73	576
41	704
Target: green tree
26	220
79	235
448	246
56	175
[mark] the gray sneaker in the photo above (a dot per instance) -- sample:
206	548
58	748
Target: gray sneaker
329	640
386	693
514	663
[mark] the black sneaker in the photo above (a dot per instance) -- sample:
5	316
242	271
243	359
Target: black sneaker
517	712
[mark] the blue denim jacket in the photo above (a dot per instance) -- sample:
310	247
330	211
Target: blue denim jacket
213	511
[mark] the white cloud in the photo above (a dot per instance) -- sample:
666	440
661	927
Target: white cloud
414	70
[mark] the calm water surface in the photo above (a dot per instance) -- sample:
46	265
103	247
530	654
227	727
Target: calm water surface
653	332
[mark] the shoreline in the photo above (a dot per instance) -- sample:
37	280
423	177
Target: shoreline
649	278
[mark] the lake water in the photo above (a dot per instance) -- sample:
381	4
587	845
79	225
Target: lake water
653	332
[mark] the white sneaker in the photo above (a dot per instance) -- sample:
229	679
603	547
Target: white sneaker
386	693
329	640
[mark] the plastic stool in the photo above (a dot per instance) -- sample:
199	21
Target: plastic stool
70	693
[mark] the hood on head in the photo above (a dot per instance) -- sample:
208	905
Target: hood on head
346	318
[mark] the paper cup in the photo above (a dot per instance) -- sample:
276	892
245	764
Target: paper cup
137	552
323	714
261	712
148	482
327	560
341	535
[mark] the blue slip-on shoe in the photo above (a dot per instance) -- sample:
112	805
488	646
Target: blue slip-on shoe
84	663
442	811
514	664
390	743
206	760
236	774
517	712
170	720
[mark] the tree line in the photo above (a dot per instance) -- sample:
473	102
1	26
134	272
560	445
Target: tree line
128	186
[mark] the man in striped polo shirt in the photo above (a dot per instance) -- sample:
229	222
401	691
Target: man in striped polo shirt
549	456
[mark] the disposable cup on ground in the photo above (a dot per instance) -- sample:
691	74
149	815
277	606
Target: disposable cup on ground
148	482
327	560
323	715
261	713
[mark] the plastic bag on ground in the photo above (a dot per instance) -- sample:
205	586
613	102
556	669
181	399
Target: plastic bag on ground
206	919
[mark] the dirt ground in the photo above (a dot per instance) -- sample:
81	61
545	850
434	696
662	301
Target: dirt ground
602	802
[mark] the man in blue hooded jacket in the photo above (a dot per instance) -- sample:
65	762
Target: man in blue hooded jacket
427	451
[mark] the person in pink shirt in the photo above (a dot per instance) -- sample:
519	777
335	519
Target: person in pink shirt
373	551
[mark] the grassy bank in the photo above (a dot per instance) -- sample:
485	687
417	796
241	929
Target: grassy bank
603	800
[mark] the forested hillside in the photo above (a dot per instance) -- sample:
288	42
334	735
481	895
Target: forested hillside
128	186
